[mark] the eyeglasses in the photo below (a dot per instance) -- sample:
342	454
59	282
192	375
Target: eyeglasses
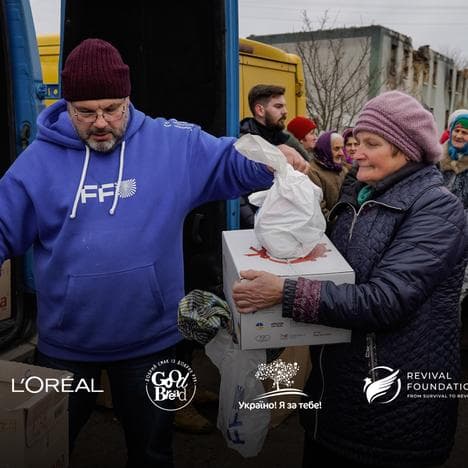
109	115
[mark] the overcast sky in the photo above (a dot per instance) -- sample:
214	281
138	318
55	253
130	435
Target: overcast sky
442	24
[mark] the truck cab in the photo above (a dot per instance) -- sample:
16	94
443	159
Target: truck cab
21	94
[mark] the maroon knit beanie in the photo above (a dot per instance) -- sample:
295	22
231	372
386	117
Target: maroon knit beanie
300	127
95	70
402	120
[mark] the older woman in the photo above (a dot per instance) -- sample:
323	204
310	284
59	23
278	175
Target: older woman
326	168
403	233
305	131
454	164
454	167
350	145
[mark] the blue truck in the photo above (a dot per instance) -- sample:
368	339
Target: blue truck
21	95
183	58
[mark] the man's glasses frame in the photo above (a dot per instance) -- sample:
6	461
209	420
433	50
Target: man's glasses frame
108	115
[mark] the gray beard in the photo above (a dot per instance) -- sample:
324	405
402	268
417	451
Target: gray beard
107	146
103	146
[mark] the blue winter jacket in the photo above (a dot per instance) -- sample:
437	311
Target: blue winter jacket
407	246
108	263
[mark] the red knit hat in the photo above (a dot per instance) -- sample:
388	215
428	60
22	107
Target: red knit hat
301	126
95	70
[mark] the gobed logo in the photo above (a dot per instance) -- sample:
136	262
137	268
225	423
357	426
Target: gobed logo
171	384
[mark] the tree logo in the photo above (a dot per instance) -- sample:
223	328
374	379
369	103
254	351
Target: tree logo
279	372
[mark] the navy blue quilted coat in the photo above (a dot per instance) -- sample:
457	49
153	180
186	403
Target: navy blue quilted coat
407	247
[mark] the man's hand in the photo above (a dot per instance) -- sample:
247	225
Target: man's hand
257	290
294	158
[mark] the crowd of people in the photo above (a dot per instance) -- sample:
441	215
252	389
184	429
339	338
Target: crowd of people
395	202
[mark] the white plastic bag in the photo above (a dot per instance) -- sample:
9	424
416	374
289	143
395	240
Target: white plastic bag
290	222
244	430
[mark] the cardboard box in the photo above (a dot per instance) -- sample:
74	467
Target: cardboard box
268	328
5	291
33	426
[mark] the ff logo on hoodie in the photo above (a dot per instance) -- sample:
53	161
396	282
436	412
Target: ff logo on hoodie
127	189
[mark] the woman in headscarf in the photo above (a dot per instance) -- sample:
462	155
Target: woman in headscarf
454	164
350	145
454	167
326	168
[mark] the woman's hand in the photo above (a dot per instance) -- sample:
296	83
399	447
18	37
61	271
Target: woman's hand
257	290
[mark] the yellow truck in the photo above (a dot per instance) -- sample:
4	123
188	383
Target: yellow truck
49	53
258	63
262	63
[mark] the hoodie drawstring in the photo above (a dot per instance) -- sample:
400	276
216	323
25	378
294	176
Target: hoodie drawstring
83	176
119	180
80	186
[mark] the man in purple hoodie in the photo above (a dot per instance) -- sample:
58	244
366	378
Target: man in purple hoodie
102	194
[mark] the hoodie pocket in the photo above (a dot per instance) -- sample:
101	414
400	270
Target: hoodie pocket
112	311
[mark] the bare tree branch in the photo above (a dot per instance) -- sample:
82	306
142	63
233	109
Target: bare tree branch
459	59
338	74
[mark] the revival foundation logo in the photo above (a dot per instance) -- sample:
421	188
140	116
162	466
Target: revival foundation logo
384	384
382	390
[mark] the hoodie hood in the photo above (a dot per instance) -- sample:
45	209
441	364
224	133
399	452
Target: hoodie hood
54	125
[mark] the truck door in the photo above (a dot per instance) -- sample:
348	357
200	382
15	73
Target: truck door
176	54
21	91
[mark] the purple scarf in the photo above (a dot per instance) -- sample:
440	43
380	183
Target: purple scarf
323	153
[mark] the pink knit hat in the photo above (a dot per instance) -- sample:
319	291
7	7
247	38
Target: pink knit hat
402	120
95	70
